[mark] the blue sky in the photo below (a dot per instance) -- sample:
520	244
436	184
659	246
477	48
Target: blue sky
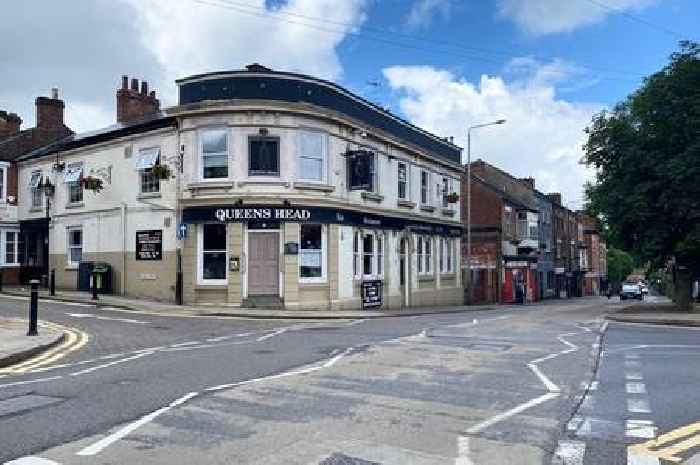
546	66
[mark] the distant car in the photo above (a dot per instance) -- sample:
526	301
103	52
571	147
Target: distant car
631	291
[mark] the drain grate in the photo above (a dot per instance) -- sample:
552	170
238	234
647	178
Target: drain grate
342	459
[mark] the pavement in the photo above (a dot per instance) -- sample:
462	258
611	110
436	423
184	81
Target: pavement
16	346
540	384
656	310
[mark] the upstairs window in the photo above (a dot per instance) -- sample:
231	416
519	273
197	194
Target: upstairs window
2	183
312	156
34	185
71	177
403	181
446	189
148	158
214	153
362	170
425	187
263	156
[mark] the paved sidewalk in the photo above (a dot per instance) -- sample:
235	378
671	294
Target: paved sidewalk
663	313
16	346
163	308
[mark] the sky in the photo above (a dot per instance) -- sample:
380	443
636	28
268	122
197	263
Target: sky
546	66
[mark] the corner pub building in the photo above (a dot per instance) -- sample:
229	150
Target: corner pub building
286	191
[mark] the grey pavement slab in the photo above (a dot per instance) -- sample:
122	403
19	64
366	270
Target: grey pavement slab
16	346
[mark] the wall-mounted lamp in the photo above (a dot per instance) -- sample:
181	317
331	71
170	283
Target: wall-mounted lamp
239	202
263	131
48	188
286	203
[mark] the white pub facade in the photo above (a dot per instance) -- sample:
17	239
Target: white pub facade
260	188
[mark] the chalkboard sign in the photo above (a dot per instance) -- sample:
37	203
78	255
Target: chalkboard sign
371	294
149	244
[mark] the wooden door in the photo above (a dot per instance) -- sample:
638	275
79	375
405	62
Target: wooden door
263	263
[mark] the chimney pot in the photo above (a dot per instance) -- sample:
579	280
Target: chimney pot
54	93
144	88
9	124
135	84
153	94
125	82
134	104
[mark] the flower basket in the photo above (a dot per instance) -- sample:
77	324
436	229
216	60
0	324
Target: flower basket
92	183
452	197
59	166
161	171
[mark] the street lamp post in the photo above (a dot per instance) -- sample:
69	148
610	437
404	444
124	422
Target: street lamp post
469	203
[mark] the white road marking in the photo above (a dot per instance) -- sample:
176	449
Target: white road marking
638	406
70	304
569	453
551	387
635	388
107	318
630	356
31	381
644	429
633	376
97	447
271	335
106	365
633	364
634	459
479	427
32	461
182	344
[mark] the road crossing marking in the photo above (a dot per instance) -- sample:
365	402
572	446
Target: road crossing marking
669	446
644	429
107	318
635	388
638	406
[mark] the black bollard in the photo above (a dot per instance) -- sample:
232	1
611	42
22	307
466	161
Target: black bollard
0	280
52	283
33	308
94	286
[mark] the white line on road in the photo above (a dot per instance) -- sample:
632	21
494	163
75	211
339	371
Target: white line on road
633	364
97	447
634	459
638	406
551	387
644	429
271	335
107	318
633	376
32	461
479	427
31	381
569	453
106	365
635	388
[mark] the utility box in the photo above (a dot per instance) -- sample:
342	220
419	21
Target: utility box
102	273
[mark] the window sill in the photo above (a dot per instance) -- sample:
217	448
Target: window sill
264	182
372	196
75	205
313	186
36	210
427	208
406	204
213	184
148	195
313	283
447	212
71	268
448	275
210	287
426	277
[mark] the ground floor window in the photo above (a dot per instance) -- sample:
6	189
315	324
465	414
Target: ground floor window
312	253
212	254
75	246
424	250
12	248
447	247
368	254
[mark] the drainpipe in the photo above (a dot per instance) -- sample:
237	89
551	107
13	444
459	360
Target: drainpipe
124	253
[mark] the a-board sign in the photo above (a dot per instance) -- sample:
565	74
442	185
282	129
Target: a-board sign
371	294
149	244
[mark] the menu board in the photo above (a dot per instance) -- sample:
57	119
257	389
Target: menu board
372	294
149	244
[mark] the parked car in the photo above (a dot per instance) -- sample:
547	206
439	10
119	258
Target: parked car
631	291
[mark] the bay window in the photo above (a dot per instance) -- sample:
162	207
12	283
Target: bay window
212	254
312	253
214	153
312	156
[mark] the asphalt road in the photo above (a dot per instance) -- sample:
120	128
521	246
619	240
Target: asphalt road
476	388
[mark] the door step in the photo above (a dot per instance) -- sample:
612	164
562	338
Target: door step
271	302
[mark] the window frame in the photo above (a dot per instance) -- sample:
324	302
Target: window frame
266	174
324	252
36	196
447	255
69	247
149	172
425	191
200	257
406	182
79	189
201	156
16	251
324	155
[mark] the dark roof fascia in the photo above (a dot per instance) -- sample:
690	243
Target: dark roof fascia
338	88
71	143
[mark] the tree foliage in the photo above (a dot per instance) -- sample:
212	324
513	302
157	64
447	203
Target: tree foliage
646	152
620	265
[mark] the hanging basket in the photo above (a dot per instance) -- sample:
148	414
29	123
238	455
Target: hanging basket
92	183
59	166
161	172
452	197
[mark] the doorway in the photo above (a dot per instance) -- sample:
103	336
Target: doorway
263	263
403	271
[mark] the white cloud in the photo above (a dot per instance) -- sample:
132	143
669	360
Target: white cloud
543	135
541	17
423	12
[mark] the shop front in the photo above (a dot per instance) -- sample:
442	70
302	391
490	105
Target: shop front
520	280
285	256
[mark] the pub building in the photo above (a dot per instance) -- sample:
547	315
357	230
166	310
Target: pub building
285	191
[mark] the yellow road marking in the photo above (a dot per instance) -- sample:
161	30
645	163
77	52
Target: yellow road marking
669	446
74	340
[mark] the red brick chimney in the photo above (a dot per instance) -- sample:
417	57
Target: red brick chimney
555	197
49	111
9	124
132	104
529	181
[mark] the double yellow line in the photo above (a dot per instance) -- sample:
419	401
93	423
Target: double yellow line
74	339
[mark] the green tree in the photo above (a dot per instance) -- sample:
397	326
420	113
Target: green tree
646	152
620	265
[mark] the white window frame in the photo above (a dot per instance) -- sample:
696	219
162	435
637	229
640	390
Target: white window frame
36	193
324	249
419	255
69	247
3	178
200	259
407	182
16	247
424	255
447	256
377	236
425	189
200	153
300	155
148	172
356	254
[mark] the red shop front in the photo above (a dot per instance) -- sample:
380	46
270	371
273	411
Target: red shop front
520	276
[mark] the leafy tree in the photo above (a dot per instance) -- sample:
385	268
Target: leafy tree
620	265
646	152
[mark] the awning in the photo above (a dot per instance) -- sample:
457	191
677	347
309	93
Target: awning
73	172
35	179
147	158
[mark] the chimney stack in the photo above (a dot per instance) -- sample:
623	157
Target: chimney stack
529	181
134	104
555	197
49	111
9	124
